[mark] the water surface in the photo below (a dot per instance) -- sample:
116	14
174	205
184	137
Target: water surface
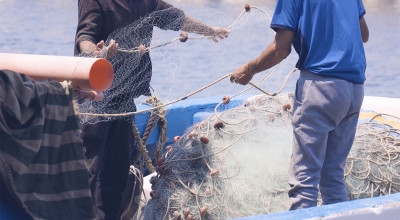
48	27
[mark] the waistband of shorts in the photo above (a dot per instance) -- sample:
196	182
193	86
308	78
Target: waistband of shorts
305	74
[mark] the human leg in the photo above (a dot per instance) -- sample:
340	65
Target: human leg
94	141
114	175
107	153
340	141
318	108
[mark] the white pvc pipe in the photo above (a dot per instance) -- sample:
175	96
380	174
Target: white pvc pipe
83	72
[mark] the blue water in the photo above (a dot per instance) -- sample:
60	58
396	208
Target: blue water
48	27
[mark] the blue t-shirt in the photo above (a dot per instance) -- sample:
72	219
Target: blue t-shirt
327	35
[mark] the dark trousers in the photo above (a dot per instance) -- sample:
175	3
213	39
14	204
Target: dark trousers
107	149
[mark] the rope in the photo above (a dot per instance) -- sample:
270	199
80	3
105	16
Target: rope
280	90
162	138
158	114
157	107
153	119
371	167
254	85
184	38
142	149
158	111
136	49
191	94
155	116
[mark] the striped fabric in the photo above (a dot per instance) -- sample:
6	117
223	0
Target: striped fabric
41	148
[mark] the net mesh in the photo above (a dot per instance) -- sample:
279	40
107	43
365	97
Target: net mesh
154	39
372	167
132	68
235	164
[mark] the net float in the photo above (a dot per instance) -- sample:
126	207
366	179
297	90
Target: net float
203	211
186	212
154	194
160	161
204	140
226	99
271	116
183	37
286	107
176	215
218	125
142	49
247	7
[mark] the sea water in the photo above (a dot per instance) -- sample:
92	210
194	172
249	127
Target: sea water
49	26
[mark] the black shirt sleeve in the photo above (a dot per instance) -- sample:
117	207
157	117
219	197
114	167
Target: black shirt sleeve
89	22
161	5
167	16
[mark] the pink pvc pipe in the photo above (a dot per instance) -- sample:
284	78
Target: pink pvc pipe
84	73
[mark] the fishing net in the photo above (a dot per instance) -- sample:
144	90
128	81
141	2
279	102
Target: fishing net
230	165
372	167
235	164
178	60
132	64
157	33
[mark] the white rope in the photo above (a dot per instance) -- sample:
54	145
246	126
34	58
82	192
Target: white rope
183	39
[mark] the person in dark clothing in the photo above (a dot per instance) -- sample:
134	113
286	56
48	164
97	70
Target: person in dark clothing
108	143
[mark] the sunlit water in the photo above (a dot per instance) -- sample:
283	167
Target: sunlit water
48	27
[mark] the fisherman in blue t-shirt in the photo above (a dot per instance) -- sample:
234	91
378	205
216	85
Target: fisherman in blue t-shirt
328	36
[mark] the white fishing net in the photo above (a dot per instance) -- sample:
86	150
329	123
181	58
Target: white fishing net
235	164
132	67
156	36
231	165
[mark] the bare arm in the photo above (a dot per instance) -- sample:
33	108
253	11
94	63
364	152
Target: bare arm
277	51
193	26
364	30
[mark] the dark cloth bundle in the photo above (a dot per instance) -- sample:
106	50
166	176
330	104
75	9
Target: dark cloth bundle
41	154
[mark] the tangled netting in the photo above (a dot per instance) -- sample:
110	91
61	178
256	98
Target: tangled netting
132	69
373	165
133	66
235	164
